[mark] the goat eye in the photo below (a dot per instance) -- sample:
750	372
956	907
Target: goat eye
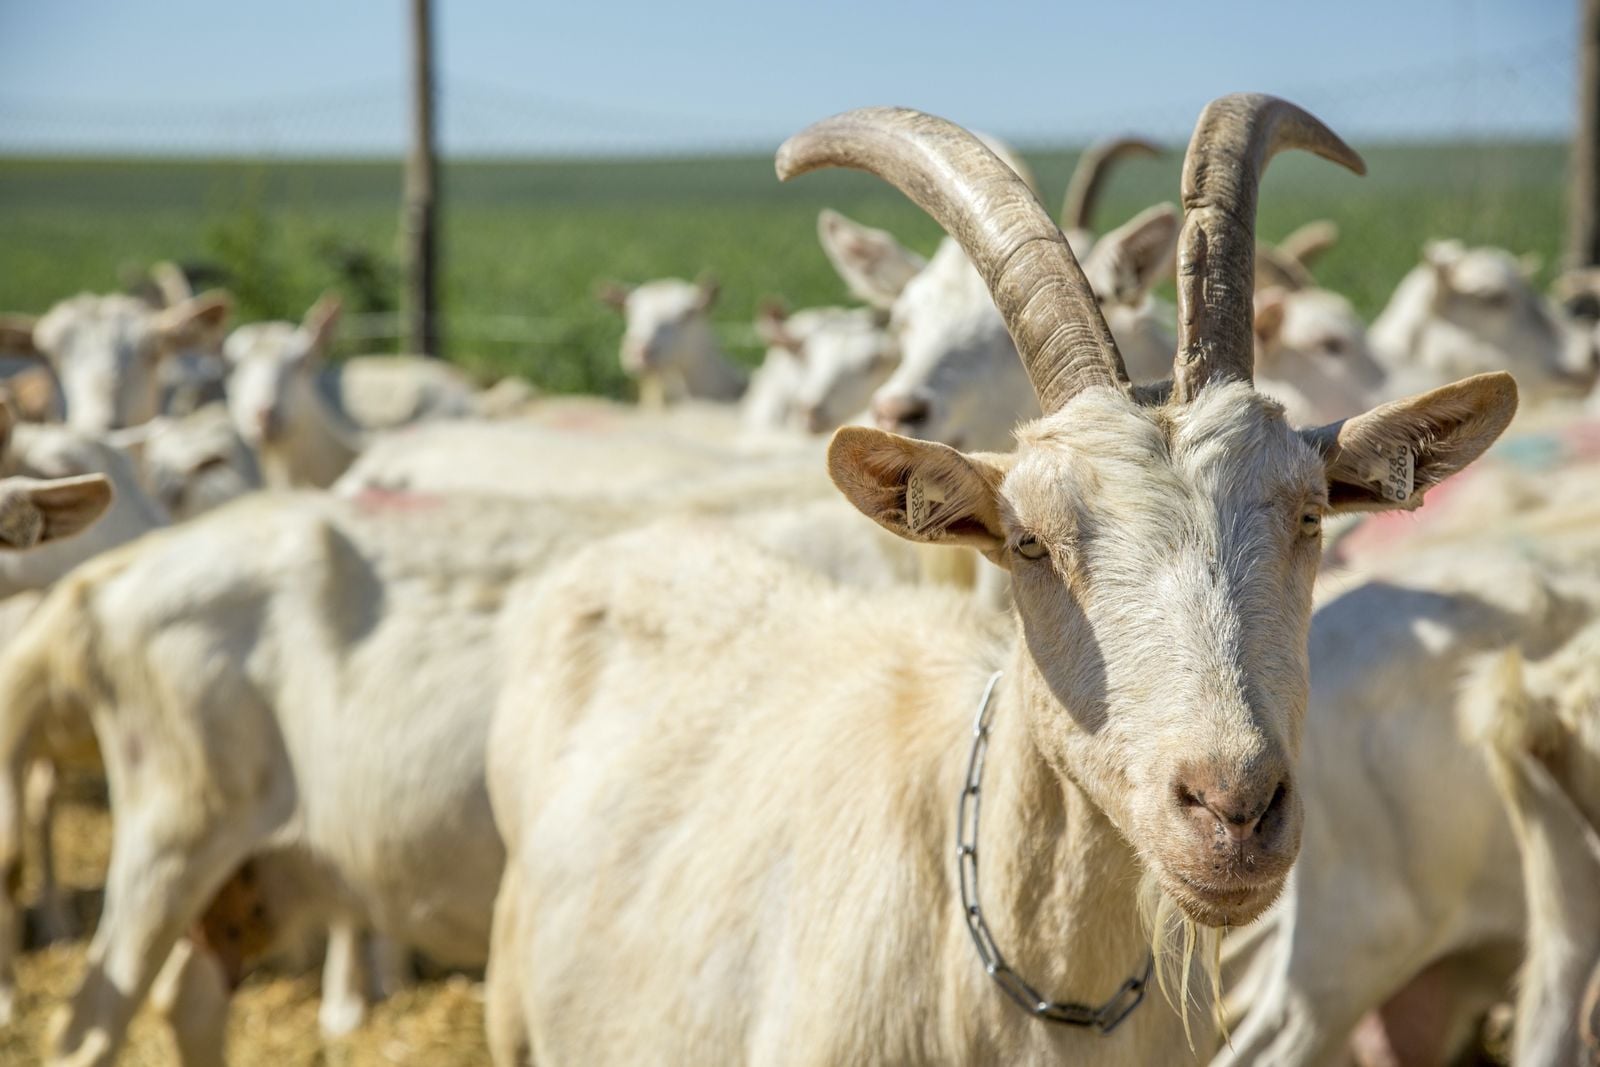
1310	524
1030	547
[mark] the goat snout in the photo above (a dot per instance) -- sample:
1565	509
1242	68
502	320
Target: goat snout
637	356
1233	808
901	411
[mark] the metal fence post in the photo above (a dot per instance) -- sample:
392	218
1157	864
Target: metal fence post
419	216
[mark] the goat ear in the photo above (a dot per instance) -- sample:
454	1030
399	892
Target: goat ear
1307	244
772	326
16	335
35	512
1389	457
199	321
710	289
921	490
321	321
613	294
1139	254
872	263
1270	307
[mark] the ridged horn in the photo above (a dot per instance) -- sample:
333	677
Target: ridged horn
1089	177
1232	142
1018	250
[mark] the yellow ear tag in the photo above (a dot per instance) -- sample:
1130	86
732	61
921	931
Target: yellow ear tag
1394	473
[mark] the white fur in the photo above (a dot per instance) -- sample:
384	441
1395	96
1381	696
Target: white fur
669	346
1467	310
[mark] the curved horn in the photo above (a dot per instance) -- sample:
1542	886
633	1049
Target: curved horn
1275	269
1036	283
1089	176
1232	142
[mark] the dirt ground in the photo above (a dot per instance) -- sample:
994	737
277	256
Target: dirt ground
273	1019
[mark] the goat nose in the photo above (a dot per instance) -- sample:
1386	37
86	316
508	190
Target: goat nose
1234	806
895	411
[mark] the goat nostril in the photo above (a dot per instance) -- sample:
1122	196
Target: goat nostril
1280	796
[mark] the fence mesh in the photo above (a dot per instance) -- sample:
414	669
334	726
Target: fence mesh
290	196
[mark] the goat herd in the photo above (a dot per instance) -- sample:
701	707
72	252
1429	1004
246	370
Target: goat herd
632	707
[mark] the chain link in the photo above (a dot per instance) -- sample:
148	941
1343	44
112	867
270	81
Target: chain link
1103	1019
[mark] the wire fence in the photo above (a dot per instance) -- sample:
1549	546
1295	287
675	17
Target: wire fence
525	242
1517	92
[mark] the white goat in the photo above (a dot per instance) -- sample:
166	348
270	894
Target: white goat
668	345
106	350
1311	346
821	369
194	462
1539	724
236	707
307	421
1435	887
345	617
1145	727
1466	310
958	378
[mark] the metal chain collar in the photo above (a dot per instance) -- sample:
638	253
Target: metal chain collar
1103	1019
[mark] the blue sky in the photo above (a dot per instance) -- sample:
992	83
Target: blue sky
625	76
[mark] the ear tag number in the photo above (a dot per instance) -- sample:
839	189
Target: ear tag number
924	496
1395	473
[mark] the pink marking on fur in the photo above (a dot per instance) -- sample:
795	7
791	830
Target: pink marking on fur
374	500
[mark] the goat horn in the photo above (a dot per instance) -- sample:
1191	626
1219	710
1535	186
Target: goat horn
1232	142
1310	241
1021	254
1276	269
1089	177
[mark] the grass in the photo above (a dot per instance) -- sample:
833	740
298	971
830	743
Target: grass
530	239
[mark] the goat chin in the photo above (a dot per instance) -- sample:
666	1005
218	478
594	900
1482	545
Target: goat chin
1188	958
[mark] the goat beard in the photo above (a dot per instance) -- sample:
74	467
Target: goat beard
1188	959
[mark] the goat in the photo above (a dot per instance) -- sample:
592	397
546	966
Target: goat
1463	310
667	342
1311	346
822	367
106	351
306	421
1539	725
1145	727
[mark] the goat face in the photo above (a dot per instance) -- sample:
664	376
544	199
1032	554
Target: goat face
1162	561
106	351
666	326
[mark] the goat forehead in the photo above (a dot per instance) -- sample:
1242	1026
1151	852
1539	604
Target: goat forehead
653	301
1487	268
93	329
1230	446
263	341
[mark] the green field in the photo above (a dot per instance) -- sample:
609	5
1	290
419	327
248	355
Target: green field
530	239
